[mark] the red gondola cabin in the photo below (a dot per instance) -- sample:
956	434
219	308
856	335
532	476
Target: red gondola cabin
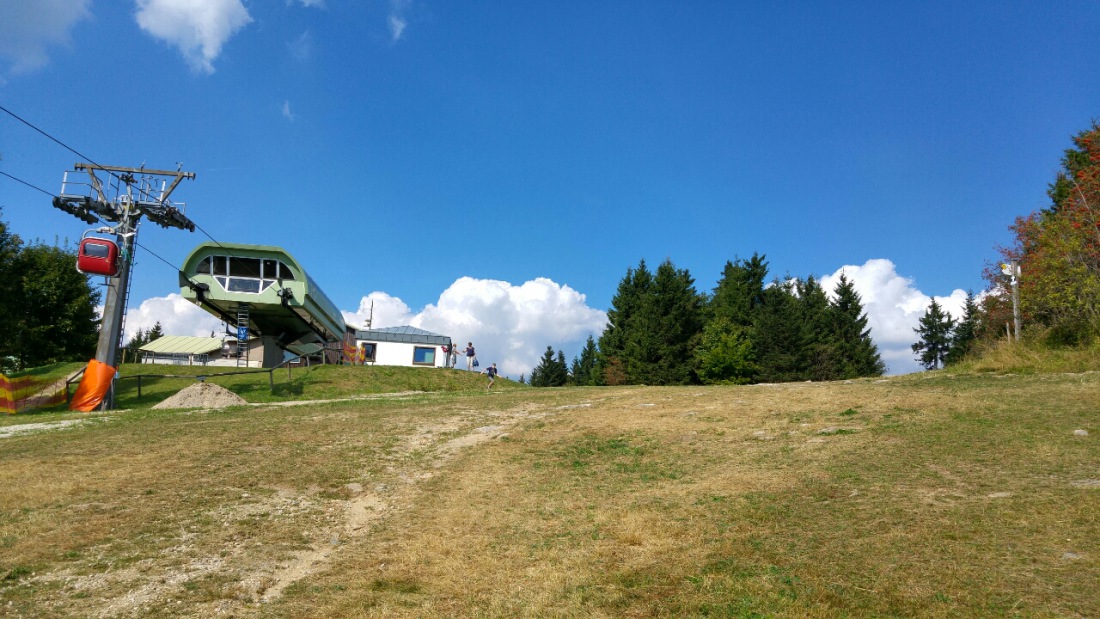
97	257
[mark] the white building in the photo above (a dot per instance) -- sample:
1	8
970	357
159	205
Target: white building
407	346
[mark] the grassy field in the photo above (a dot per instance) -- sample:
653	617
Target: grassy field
935	495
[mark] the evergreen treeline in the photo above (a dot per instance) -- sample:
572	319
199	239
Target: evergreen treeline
143	337
943	340
662	331
551	370
47	307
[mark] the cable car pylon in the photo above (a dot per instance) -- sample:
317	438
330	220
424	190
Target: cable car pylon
137	192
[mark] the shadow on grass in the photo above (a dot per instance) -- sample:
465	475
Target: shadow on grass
295	388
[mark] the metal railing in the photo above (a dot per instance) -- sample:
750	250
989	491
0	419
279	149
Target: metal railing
289	364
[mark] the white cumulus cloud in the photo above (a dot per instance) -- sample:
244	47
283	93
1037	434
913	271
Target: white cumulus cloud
509	325
894	306
379	309
177	316
199	28
29	29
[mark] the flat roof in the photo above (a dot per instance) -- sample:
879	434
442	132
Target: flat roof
404	335
183	344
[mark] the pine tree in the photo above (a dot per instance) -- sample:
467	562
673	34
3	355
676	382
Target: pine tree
551	371
652	329
740	290
155	333
584	367
138	340
677	312
622	321
777	335
819	357
965	333
859	355
935	336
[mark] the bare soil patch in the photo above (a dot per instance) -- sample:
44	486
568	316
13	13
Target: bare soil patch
202	395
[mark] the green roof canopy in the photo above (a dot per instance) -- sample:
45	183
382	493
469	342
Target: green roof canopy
183	344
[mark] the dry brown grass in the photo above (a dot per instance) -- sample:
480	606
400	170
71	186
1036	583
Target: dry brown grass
928	495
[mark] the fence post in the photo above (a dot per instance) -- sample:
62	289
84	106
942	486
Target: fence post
271	378
139	385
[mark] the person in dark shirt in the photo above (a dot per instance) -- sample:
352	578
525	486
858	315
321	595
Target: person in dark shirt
492	372
470	356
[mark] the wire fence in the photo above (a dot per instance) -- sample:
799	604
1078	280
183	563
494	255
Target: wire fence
289	364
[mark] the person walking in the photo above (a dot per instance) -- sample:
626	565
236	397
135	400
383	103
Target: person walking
492	372
471	356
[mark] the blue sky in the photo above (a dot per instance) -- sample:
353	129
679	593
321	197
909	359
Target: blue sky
490	170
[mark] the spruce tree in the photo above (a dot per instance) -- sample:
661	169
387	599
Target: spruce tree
622	319
652	328
584	367
819	357
859	355
138	340
777	335
962	339
677	314
740	290
551	371
561	370
935	336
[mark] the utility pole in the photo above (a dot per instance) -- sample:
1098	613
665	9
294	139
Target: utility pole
136	194
1012	270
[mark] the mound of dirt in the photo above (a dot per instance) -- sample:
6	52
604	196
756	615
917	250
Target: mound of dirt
202	395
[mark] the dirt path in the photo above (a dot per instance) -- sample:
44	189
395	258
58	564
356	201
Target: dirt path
332	526
367	507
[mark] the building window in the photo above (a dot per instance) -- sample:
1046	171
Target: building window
423	356
251	275
367	352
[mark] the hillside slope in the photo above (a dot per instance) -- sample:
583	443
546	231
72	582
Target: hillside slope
925	495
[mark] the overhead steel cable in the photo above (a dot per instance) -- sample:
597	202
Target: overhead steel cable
35	187
91	161
216	241
55	140
72	150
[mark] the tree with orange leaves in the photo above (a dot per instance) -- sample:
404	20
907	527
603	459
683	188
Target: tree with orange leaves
1058	250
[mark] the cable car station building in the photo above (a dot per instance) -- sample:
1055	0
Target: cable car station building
267	295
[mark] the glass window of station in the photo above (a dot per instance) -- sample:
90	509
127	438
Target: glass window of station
250	275
423	355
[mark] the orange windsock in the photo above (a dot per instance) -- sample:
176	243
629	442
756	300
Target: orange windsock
93	386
